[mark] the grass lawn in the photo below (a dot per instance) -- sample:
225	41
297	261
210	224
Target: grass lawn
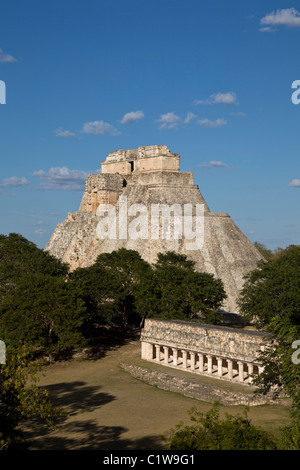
111	410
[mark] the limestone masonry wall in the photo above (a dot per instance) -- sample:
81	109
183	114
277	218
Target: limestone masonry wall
234	343
220	352
194	389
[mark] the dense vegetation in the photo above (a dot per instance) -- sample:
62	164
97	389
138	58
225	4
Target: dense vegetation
44	306
49	311
46	310
21	397
210	432
269	301
38	308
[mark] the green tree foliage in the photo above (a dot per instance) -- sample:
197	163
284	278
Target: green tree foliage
270	300
21	398
45	306
210	432
42	311
183	293
38	307
272	290
131	279
121	285
290	436
117	287
266	252
19	256
97	293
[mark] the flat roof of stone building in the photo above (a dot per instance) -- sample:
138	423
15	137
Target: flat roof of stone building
212	327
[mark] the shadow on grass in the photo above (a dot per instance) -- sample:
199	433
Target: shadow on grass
78	399
89	435
108	340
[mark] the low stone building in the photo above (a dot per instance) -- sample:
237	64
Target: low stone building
220	352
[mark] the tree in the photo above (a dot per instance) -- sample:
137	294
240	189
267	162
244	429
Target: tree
122	285
272	290
19	256
266	252
42	311
130	275
38	307
117	287
98	295
270	300
184	293
21	398
210	432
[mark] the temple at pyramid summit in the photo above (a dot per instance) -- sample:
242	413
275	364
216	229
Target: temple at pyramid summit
143	202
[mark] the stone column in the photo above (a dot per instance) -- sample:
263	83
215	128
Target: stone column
157	351
201	362
241	371
209	364
147	351
184	359
260	370
193	355
230	369
175	356
220	368
166	355
250	372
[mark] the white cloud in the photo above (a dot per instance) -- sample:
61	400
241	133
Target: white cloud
62	178
229	98
99	128
189	118
213	164
294	183
128	118
208	123
288	17
6	57
169	120
61	133
226	98
267	29
40	232
14	182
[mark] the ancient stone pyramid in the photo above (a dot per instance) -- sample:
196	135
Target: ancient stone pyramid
141	201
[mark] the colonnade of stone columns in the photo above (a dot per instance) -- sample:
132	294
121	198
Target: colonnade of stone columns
204	363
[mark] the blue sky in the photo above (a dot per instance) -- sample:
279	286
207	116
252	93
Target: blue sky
211	80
